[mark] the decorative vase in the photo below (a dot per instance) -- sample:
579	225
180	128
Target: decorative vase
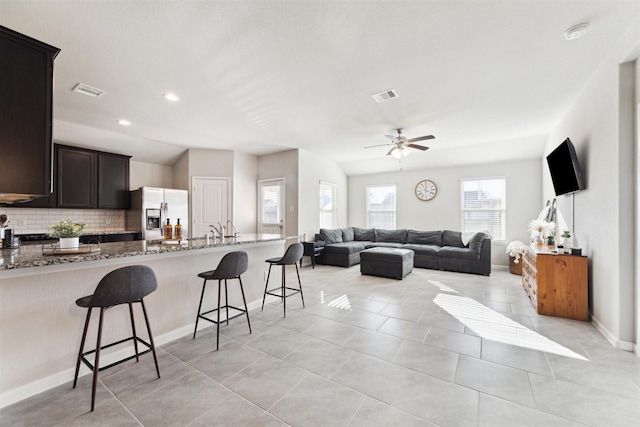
69	242
540	239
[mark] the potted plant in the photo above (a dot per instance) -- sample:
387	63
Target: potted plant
515	250
566	237
68	233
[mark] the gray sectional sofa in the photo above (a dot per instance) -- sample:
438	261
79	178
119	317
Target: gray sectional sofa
439	250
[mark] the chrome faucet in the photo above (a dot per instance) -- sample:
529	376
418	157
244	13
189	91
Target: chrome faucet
215	230
235	232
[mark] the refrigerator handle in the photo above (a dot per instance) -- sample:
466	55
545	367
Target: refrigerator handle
162	216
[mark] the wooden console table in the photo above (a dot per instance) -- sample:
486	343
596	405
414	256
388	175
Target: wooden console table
557	284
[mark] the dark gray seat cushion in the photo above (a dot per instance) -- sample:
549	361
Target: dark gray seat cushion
384	245
458	253
423	249
344	248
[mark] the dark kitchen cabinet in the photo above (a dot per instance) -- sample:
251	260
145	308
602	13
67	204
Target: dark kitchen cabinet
87	179
77	171
26	92
113	181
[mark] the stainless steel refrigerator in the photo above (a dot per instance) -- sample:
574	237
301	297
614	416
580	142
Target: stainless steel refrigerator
150	208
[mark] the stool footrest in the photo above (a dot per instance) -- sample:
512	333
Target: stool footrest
202	315
279	295
126	359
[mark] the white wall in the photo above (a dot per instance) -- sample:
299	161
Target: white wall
313	169
245	190
524	193
279	165
149	175
597	124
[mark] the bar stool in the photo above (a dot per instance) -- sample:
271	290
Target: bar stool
291	257
126	285
231	266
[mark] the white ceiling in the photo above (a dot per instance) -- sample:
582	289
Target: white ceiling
487	78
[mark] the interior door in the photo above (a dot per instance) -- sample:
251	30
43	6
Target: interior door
210	204
271	206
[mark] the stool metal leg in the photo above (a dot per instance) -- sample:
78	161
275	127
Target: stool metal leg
218	313
226	300
284	295
266	286
246	310
204	285
84	336
96	364
153	346
135	336
300	286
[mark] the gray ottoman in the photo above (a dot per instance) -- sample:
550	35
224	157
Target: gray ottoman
393	263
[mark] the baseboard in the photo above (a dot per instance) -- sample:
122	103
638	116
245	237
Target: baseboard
66	376
613	340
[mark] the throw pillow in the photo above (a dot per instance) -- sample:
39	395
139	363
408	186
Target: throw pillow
331	236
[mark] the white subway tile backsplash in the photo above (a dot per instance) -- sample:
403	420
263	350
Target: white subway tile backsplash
25	220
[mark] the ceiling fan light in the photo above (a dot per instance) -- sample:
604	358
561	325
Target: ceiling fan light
399	152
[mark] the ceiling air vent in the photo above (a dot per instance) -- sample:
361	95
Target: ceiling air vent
385	95
88	90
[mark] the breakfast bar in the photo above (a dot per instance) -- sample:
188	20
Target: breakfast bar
41	326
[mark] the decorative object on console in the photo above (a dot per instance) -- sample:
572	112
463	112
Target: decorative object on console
426	190
539	230
68	232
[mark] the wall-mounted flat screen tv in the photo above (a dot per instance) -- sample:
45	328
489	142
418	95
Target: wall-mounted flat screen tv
565	169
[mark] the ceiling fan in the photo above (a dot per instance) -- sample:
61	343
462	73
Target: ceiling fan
401	143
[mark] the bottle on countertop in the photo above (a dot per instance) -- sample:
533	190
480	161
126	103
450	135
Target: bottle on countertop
168	230
177	231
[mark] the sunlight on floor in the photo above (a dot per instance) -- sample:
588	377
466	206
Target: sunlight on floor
341	302
442	286
494	326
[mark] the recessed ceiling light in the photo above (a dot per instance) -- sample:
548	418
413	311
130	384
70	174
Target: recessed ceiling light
124	122
576	31
171	97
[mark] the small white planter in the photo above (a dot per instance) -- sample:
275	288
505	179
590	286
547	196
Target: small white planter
69	242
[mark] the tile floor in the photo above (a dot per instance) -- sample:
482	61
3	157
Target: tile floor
435	349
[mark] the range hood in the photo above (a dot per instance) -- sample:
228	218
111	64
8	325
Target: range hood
15	198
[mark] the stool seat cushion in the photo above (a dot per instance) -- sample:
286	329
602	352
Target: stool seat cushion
207	274
274	260
84	301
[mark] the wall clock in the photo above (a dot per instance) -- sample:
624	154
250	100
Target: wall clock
426	190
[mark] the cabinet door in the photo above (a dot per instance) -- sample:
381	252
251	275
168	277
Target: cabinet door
113	181
76	177
26	84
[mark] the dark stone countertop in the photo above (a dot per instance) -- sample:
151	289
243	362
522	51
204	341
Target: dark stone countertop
32	255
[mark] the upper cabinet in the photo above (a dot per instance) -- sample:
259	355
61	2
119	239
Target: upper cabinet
26	89
87	179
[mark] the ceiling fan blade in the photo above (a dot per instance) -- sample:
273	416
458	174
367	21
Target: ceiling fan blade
377	145
391	137
391	151
418	147
421	138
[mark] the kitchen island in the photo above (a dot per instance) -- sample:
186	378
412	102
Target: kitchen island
41	326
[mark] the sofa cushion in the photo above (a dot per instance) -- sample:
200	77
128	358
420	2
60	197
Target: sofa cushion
383	245
391	236
364	234
452	238
475	244
344	248
331	235
425	237
431	250
452	252
347	234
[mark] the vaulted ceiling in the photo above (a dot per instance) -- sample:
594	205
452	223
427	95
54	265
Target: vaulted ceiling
487	78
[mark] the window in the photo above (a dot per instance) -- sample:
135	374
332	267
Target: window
483	206
328	211
381	206
271	201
